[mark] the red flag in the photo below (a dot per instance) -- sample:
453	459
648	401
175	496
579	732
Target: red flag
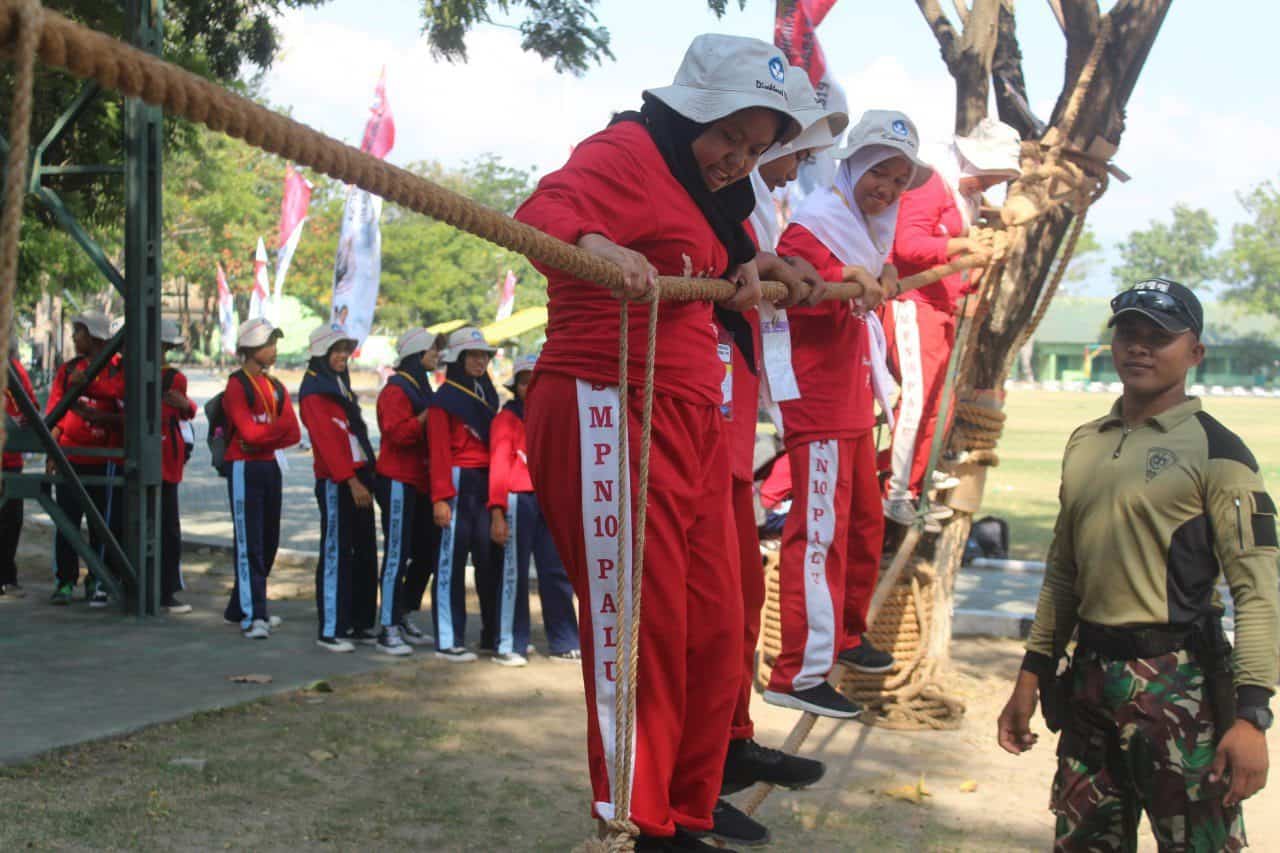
380	130
507	298
260	296
794	34
293	207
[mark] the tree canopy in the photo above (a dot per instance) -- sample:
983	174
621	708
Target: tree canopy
1252	263
1182	249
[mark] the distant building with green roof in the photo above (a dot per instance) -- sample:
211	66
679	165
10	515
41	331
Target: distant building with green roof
1071	344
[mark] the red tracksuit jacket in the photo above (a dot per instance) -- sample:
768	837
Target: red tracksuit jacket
452	445
508	459
105	393
13	461
402	455
335	452
616	184
266	423
927	219
173	451
831	354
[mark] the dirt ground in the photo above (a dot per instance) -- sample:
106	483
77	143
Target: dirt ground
426	755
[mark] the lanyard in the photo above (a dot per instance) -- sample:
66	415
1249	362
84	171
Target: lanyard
266	405
470	393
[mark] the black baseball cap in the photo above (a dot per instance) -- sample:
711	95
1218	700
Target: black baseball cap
1163	301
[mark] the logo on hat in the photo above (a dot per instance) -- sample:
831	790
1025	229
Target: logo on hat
900	127
777	69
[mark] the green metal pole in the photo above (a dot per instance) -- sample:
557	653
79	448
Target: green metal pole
144	139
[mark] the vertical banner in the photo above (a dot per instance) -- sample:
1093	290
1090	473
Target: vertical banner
358	266
507	297
260	297
226	314
795	34
293	214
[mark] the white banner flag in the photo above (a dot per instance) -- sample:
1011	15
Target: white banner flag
226	314
260	297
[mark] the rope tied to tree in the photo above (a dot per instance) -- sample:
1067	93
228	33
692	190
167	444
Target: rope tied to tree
27	18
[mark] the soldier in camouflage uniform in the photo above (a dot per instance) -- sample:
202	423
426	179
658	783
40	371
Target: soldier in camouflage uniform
1158	501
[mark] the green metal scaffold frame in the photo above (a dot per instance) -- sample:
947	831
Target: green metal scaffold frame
137	586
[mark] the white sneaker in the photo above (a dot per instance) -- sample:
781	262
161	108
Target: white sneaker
900	511
333	644
275	621
457	654
391	643
511	659
944	480
259	630
99	598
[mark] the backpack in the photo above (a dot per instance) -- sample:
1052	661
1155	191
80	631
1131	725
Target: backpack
220	428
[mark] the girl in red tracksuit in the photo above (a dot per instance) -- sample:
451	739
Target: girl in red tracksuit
520	530
176	410
833	535
343	460
410	536
659	191
458	437
261	422
11	510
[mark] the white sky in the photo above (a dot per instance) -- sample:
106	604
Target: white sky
1202	124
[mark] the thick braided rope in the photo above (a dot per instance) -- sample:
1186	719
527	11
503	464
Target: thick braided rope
28	15
120	67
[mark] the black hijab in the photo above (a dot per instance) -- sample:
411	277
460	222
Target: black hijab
412	378
725	210
473	401
320	378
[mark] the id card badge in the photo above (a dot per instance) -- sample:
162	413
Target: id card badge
775	340
724	348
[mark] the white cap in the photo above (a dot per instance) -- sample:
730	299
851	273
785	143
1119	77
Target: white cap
523	364
723	74
822	126
97	323
461	340
256	333
992	148
170	333
416	340
324	338
890	129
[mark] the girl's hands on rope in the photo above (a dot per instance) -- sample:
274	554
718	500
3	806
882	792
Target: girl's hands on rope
811	276
749	293
872	292
639	278
773	268
969	246
1013	729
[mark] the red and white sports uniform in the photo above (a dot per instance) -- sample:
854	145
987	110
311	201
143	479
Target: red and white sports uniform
617	184
920	327
833	535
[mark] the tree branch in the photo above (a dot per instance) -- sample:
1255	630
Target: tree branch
962	11
1055	6
942	30
1007	77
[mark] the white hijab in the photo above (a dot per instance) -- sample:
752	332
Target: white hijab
832	216
764	218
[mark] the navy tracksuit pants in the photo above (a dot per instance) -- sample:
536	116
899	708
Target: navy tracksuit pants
170	543
10	533
347	571
110	503
466	535
406	566
426	553
255	490
528	536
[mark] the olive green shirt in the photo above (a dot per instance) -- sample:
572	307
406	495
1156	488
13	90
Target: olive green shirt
1149	519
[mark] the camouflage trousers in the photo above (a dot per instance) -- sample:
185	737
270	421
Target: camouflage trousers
1140	739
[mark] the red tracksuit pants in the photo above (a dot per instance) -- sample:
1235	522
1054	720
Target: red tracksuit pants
691	616
752	567
831	548
919	338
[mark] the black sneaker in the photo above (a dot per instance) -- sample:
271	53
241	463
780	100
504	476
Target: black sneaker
865	657
361	636
734	826
682	841
748	763
822	700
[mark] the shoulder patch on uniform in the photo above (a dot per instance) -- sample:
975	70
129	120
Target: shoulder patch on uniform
1225	444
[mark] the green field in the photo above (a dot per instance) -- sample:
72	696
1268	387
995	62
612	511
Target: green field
1024	488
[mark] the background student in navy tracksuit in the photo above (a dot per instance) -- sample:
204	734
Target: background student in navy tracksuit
458	436
11	510
346	573
518	528
403	490
261	423
176	410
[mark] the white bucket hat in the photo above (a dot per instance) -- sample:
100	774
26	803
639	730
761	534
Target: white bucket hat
414	341
891	129
324	338
461	340
992	148
523	364
170	334
723	74
822	126
96	323
256	333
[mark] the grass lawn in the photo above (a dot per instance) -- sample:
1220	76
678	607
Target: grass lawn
1024	488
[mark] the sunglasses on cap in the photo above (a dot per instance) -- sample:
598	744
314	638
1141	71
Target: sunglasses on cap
1153	300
